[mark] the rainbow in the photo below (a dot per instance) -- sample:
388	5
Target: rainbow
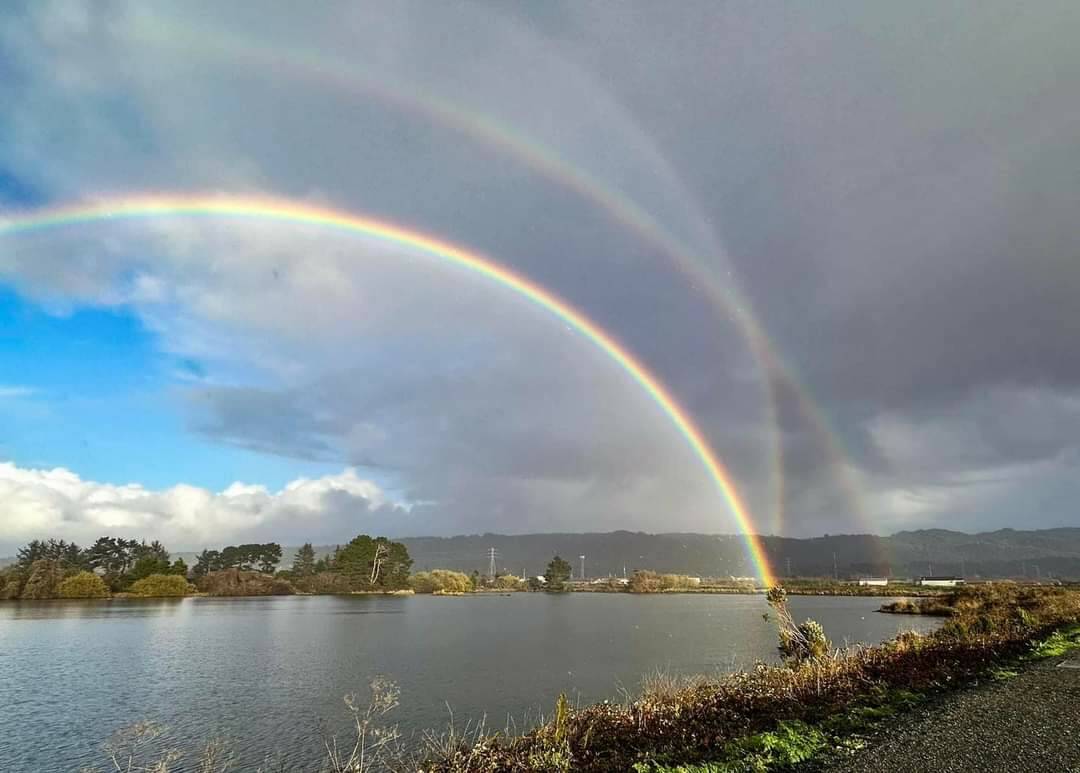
299	213
343	75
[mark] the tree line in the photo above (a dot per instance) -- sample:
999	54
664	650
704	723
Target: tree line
58	569
119	565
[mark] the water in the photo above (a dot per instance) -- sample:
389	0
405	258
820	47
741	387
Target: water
264	671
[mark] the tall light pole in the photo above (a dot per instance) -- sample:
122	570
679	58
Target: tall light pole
582	568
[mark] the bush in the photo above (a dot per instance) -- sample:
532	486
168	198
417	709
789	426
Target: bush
510	582
440	581
233	582
161	585
324	583
44	580
84	585
645	581
11	584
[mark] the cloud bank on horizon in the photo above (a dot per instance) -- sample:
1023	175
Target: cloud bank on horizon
888	189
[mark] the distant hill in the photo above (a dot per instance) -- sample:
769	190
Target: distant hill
1004	553
1045	553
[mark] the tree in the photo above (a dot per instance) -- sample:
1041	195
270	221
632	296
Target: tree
206	562
179	568
67	554
269	557
149	564
154	550
377	563
557	574
304	561
84	585
114	557
44	580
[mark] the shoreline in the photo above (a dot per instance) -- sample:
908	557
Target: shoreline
403	593
818	707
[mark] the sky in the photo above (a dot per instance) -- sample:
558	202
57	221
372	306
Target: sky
842	237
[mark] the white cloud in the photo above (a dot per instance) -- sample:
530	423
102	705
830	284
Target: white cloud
59	503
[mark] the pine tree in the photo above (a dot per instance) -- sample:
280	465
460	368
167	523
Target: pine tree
304	561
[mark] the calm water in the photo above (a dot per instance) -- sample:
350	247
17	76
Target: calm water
265	671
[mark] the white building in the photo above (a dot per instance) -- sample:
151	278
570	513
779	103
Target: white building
940	582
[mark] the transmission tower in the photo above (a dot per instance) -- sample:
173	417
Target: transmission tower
582	568
492	554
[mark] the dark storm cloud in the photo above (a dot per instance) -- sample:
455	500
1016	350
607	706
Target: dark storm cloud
894	186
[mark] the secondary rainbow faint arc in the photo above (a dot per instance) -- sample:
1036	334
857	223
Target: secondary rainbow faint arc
287	211
341	73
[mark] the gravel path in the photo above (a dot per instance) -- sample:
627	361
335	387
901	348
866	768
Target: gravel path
1029	723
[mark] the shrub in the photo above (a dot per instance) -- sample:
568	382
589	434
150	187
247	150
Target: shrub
161	585
84	585
644	581
11	584
797	642
510	582
440	581
44	580
323	583
234	582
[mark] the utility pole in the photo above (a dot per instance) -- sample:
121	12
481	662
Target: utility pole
491	563
582	568
624	571
835	571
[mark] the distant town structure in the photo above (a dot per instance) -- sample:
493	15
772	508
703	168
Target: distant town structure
880	581
940	582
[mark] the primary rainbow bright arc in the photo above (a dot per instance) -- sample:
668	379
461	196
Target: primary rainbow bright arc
304	214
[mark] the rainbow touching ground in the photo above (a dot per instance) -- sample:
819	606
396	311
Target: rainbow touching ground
286	211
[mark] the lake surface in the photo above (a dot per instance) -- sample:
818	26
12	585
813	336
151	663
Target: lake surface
264	672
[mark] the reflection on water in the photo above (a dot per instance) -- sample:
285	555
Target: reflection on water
265	671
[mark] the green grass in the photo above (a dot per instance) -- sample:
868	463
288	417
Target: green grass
791	743
1056	645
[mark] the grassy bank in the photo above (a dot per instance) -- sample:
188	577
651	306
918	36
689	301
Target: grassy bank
821	702
774	715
